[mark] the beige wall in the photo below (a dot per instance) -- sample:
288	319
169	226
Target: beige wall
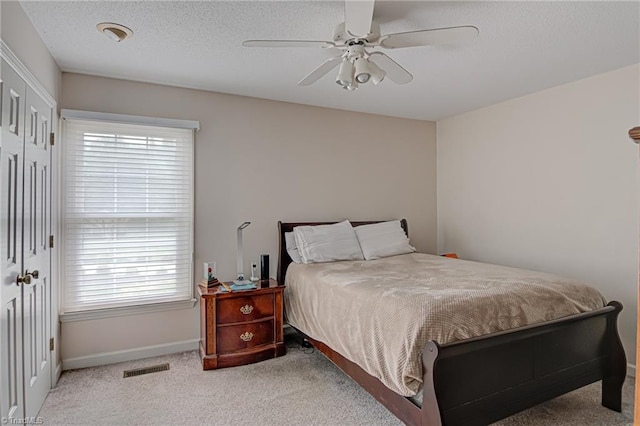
549	182
265	161
18	33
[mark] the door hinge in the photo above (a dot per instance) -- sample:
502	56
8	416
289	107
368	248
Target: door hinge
51	344
50	241
52	138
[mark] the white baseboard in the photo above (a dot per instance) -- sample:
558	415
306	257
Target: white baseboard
129	354
631	370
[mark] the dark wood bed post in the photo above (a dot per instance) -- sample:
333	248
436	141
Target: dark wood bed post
430	410
616	368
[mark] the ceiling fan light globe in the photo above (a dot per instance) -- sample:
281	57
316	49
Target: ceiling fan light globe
378	77
377	81
351	86
363	77
377	74
344	84
345	74
362	70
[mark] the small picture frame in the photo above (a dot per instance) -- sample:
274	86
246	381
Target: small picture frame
209	272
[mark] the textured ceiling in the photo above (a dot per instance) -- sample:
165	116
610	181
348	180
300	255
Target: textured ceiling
523	47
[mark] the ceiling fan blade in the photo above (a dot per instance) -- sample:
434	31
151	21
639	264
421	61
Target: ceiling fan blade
394	71
287	43
430	37
358	15
315	75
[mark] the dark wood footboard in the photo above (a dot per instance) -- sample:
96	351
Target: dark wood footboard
479	381
482	380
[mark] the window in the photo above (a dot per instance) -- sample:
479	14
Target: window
127	212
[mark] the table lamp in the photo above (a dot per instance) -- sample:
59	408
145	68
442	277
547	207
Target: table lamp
240	258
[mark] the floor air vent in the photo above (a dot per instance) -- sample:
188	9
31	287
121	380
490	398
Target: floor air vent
145	370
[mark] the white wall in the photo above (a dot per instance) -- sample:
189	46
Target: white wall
549	182
264	161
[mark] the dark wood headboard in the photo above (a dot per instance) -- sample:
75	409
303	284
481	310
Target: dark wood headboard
284	260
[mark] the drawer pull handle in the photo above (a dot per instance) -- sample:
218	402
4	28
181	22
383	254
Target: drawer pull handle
246	309
246	336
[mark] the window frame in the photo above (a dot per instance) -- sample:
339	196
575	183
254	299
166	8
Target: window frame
147	307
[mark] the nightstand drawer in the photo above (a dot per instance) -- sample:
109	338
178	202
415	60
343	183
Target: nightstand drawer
249	308
243	336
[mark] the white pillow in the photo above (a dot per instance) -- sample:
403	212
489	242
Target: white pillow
383	239
327	243
292	248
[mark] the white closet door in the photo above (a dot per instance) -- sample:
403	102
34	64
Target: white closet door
36	296
25	206
11	250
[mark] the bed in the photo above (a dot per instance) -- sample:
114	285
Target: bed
487	377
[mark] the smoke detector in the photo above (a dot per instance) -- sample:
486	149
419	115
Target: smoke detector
115	32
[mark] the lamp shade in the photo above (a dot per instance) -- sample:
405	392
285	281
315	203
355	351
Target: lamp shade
240	257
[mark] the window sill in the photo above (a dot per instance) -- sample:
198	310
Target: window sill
127	310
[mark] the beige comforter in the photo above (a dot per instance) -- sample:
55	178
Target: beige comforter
380	313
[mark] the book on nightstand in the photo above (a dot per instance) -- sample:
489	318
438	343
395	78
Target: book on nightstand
209	284
226	287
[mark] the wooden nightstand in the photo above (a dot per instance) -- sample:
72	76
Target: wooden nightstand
241	327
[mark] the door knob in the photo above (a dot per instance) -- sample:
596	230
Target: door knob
35	274
26	279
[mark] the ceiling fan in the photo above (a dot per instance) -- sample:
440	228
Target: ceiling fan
355	41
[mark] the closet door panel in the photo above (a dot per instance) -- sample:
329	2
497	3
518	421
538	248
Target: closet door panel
11	250
36	296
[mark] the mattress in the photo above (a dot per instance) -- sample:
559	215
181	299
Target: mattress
379	314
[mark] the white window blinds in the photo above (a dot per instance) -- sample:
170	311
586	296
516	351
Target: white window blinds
127	209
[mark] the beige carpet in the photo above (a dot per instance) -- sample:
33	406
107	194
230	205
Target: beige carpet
301	388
